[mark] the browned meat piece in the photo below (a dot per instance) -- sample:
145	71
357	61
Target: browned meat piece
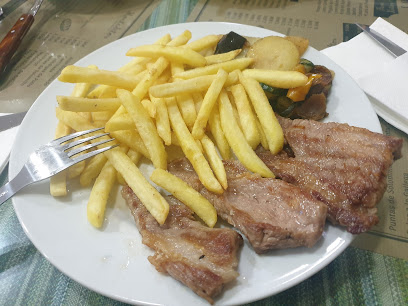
345	167
313	108
271	213
323	84
200	257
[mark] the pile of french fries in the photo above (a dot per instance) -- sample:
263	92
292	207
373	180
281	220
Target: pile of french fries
172	93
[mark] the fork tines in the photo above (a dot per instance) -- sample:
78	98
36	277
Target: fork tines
66	145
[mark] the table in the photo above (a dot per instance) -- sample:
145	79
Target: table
356	277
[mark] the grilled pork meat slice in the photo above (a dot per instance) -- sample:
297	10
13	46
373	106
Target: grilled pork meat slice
202	258
271	213
345	167
317	139
338	183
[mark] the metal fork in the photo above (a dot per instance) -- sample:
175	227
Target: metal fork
51	158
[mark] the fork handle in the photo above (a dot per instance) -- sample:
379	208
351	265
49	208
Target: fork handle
22	179
13	39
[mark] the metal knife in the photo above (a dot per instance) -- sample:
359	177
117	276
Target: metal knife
10	121
391	47
13	38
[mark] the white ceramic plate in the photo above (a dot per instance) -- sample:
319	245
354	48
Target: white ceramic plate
113	261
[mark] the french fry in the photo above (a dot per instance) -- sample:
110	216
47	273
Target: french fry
82	89
275	78
135	158
191	149
77	104
182	87
102	91
185	102
180	55
174	140
203	43
246	115
120	122
215	161
216	130
176	68
102	116
99	123
149	107
87	115
198	84
200	146
239	63
186	194
128	67
207	52
222	57
236	139
75	74
92	170
164	77
58	183
145	127
270	125
186	105
107	91
132	139
100	194
208	103
76	170
264	141
120	111
198	100
180	40
148	195
151	76
234	110
135	69
162	120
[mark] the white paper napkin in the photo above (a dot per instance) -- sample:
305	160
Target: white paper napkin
6	140
383	77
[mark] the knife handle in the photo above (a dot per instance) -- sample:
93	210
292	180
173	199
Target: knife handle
12	40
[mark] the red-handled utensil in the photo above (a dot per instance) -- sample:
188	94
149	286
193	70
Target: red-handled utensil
13	38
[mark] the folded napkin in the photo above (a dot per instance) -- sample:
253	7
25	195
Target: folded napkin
6	140
383	77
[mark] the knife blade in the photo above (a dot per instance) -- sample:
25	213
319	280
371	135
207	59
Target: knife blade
10	121
13	38
391	47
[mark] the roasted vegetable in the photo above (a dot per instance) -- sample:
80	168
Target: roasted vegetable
299	93
309	66
283	106
274	53
313	108
229	42
273	92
